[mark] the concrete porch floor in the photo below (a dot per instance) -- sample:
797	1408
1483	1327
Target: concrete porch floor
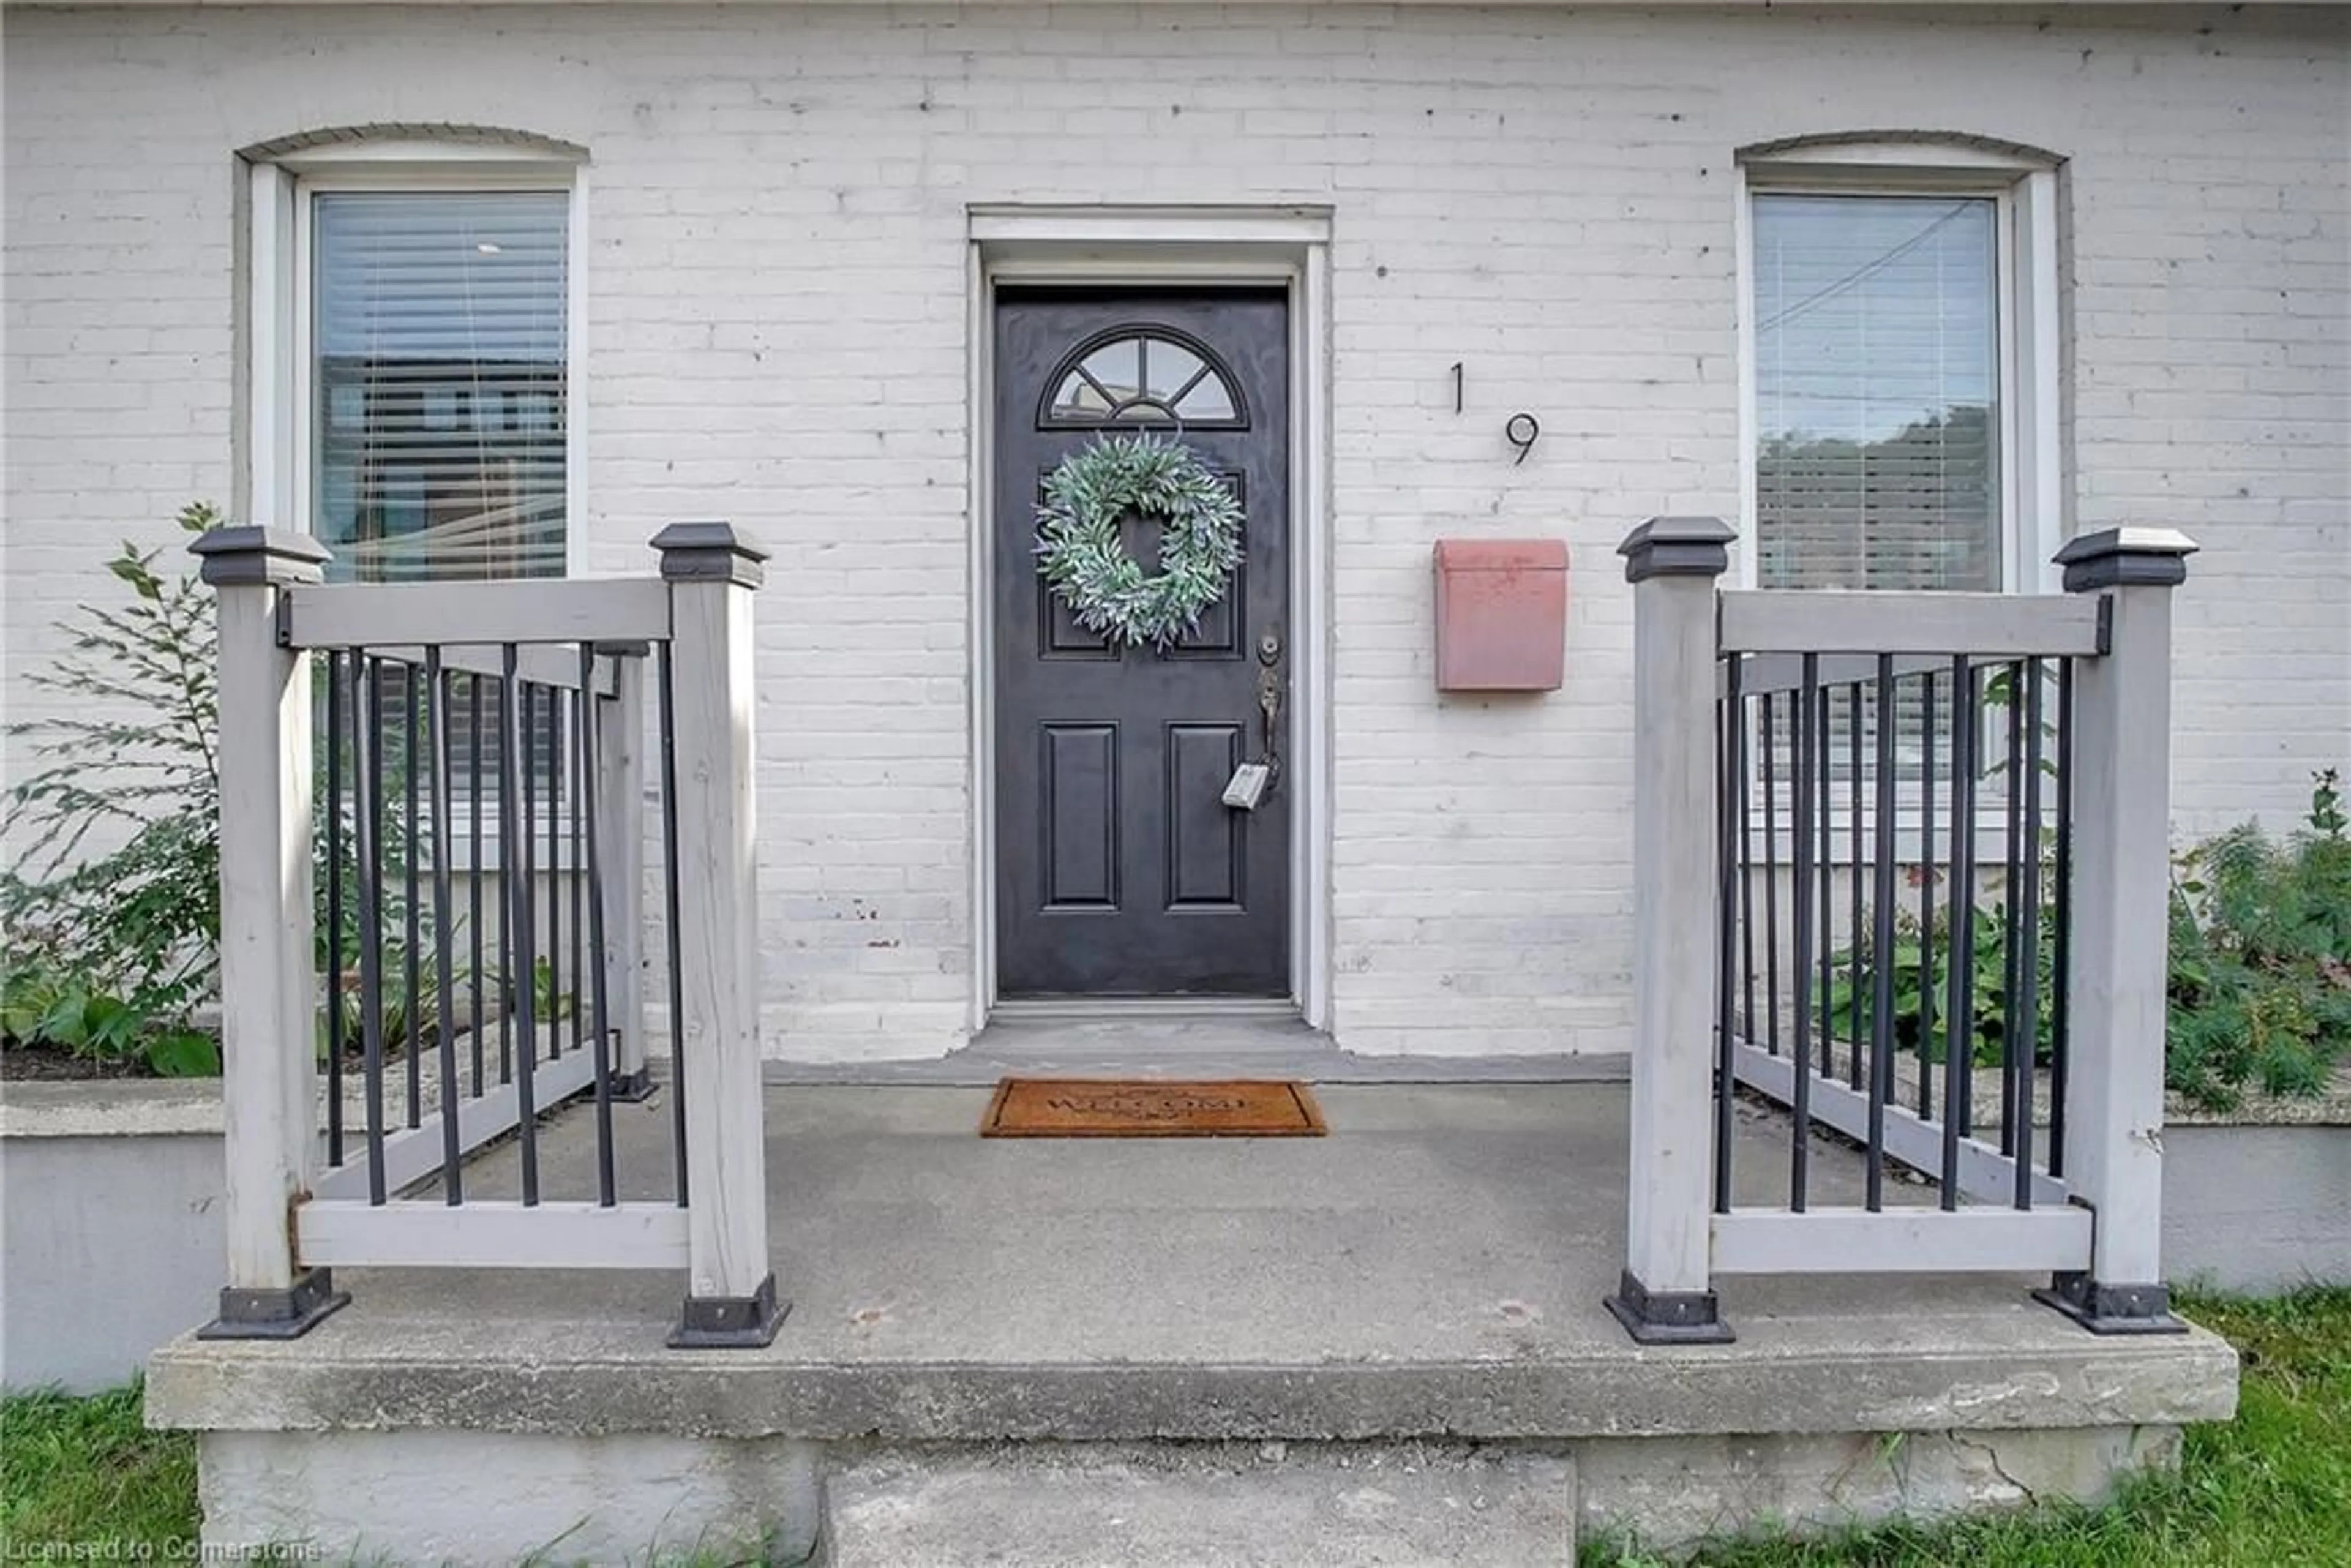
1432	1270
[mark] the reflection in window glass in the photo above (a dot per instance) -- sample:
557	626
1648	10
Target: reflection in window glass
1877	392
1147	379
1209	399
438	343
1116	369
1079	399
1168	368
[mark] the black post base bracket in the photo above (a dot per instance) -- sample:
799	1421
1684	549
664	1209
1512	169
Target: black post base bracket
1668	1317
2111	1309
289	1313
731	1322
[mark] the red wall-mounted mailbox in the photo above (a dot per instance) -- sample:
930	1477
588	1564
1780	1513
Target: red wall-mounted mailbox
1501	615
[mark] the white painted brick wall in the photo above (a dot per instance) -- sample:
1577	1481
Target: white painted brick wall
778	321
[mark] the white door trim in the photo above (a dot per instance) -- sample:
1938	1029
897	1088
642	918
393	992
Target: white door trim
1113	245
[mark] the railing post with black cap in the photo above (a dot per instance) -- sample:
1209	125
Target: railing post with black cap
2120	868
268	1047
1666	1295
731	1296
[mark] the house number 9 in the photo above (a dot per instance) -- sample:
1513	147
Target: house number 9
1523	431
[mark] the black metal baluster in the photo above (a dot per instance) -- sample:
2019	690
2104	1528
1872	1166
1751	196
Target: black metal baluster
510	860
1958	1047
1771	886
1823	724
474	978
1729	808
669	897
1746	873
368	832
551	707
1881	944
581	701
336	893
2014	873
599	1034
2028	963
1853	744
1927	899
1801	755
413	959
437	687
526	975
514	800
2061	915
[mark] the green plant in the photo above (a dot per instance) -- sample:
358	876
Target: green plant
42	1005
546	1004
2259	977
2260	957
396	1007
112	893
1923	1024
393	740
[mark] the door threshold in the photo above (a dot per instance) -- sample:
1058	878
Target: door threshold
1123	1010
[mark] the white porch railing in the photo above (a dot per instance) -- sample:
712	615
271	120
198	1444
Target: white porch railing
485	760
1851	806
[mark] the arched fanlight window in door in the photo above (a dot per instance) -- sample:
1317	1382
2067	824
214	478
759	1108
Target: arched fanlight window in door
1143	375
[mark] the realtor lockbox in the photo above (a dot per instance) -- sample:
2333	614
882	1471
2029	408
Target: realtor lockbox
1501	615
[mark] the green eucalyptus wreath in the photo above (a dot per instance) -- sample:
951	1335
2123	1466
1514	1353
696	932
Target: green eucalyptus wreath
1081	558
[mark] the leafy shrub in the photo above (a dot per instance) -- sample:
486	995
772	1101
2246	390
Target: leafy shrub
112	893
397	1007
2259	977
397	1004
389	940
546	1004
108	950
2260	957
1854	976
42	1006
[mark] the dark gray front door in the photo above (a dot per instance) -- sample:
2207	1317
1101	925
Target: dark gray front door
1119	870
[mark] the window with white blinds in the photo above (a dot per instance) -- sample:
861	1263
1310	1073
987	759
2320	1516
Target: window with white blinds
1877	458
438	349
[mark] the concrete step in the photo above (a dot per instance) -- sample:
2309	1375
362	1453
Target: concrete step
1202	1505
1154	1040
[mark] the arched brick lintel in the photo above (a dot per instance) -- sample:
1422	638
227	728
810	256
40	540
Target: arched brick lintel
526	142
1795	147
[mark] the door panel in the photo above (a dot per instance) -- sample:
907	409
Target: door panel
1119	870
1205	846
1081	836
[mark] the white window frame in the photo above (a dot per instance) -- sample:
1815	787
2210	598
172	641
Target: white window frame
2023	192
281	401
282	205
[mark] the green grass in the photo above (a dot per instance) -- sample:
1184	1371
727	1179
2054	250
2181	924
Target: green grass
88	1471
2270	1489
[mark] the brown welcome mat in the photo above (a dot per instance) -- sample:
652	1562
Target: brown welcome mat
1151	1108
